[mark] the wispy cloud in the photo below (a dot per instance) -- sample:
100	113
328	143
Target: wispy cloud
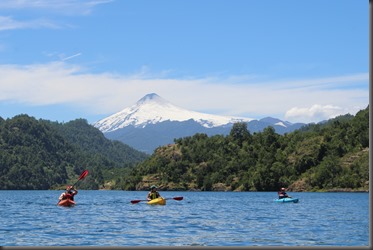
70	57
9	23
344	81
62	83
66	7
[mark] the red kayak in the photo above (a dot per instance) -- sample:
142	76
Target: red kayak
66	203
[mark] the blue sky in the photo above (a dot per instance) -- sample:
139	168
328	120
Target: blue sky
299	61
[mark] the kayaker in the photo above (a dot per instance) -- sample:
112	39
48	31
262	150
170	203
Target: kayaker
282	194
153	194
68	194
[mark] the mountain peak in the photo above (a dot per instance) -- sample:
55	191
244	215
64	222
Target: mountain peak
152	109
275	121
270	120
150	97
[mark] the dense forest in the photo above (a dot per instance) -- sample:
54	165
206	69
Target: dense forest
332	156
40	154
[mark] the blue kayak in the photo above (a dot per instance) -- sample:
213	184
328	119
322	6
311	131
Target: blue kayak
294	200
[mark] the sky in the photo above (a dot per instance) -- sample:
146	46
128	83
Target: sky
299	61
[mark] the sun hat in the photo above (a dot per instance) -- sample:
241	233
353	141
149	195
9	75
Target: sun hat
153	186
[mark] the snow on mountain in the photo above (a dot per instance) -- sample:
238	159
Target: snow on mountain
280	124
275	121
152	109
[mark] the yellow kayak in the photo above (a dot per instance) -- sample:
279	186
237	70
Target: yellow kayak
157	201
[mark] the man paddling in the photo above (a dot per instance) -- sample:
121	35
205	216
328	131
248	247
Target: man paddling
153	194
282	194
68	194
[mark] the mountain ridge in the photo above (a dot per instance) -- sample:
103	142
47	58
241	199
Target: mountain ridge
153	121
152	109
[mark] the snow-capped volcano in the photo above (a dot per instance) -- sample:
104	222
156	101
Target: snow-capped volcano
152	122
152	109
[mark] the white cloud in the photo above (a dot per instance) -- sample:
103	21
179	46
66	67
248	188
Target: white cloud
62	83
318	112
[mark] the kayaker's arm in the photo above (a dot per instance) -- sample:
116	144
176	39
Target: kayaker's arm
75	192
61	196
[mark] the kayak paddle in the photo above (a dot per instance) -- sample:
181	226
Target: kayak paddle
179	198
175	198
137	201
84	174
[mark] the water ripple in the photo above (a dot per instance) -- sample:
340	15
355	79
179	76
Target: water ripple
107	218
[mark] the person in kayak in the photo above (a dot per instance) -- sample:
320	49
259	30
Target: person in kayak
68	194
282	194
153	194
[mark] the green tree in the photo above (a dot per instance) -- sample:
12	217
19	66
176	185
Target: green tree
239	133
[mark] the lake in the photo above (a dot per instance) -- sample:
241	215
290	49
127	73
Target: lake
107	218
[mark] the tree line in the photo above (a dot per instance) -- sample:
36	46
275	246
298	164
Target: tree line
328	156
333	155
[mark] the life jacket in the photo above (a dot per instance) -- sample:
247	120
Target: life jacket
282	194
69	196
154	195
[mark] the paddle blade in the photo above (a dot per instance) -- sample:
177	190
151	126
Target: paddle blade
84	174
178	198
135	201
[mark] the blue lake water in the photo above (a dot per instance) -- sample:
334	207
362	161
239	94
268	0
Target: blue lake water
107	218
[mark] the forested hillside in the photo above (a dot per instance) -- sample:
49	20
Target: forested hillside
39	154
329	156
